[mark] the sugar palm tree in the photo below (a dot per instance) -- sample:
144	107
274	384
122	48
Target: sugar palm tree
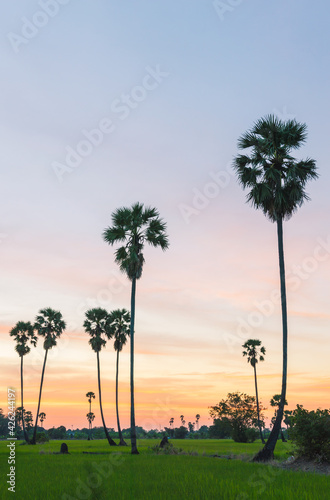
276	183
97	325
42	417
134	227
90	417
120	328
28	419
197	420
251	351
90	395
23	335
50	325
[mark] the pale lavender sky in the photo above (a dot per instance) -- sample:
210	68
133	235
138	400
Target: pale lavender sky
172	85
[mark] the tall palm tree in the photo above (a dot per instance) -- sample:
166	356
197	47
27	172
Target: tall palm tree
97	325
134	227
251	351
50	325
42	417
23	334
120	328
90	395
197	420
276	183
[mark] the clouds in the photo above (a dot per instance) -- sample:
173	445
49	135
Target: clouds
223	264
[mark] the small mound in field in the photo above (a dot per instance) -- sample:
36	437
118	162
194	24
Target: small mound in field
164	442
64	448
63	451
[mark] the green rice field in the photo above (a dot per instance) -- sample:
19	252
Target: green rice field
104	473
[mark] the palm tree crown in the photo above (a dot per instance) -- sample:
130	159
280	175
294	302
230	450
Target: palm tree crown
135	226
97	324
23	333
120	327
251	351
276	180
49	324
90	395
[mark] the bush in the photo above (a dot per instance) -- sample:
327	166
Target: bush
311	433
251	434
42	437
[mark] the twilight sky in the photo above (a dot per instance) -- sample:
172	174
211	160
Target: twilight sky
109	103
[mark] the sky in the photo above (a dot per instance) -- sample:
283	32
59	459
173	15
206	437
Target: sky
109	103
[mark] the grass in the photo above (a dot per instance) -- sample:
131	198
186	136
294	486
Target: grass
115	473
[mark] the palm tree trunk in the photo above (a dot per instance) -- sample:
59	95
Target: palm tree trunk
110	440
259	423
26	437
41	383
121	439
134	449
267	453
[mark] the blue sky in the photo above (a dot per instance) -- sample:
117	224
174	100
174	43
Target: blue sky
214	78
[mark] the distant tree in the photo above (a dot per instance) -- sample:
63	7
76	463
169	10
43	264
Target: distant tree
180	432
57	433
42	417
3	424
275	402
50	325
197	420
221	429
90	417
23	334
171	422
182	420
251	351
90	395
288	420
276	181
241	411
28	420
134	227
20	412
120	329
191	427
203	432
97	325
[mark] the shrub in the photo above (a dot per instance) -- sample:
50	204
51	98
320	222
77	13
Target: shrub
311	433
252	434
42	437
168	449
